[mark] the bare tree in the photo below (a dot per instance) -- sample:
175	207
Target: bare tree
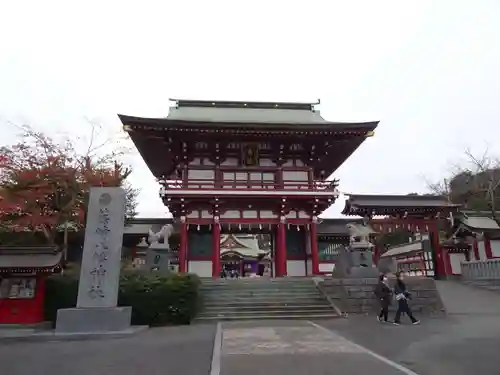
474	184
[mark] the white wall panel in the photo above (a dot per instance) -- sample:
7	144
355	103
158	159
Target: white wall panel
202	268
296	267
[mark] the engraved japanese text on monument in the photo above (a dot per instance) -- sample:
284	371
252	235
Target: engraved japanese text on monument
100	270
98	273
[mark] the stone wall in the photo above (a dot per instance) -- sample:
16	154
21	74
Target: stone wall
355	296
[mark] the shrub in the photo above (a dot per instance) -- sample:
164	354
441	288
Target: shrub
160	299
155	299
60	293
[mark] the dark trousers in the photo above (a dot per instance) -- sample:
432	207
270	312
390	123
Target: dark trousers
384	310
403	307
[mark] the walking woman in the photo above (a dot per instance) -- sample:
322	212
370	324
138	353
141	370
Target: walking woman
402	296
383	293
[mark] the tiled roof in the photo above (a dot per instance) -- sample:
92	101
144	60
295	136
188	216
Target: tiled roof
247	112
411	202
402	249
247	246
480	223
252	113
26	257
335	226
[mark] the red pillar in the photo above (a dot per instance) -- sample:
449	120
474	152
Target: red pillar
281	249
183	247
314	249
38	309
440	254
216	249
487	248
476	250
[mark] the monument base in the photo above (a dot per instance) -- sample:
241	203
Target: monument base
93	320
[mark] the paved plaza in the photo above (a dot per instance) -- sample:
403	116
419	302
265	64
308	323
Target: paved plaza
466	342
299	347
183	350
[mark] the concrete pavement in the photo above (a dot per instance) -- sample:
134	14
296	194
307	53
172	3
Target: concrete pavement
461	299
466	342
184	350
296	347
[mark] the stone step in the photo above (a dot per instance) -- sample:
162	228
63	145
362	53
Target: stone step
290	316
258	279
265	302
261	287
258	290
268	296
262	298
280	311
270	307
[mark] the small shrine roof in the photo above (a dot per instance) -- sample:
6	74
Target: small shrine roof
387	204
479	223
246	246
26	258
338	226
335	226
403	249
457	244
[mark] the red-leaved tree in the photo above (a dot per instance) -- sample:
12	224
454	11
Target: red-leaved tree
44	185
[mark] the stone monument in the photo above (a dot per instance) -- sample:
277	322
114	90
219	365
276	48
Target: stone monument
96	309
356	259
158	254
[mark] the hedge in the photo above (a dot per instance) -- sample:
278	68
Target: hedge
155	299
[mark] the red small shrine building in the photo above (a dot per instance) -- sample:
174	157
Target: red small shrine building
229	167
422	215
23	271
481	231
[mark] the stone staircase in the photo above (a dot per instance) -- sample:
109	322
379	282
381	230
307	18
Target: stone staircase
263	298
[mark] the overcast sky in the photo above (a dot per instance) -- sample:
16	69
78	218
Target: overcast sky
428	70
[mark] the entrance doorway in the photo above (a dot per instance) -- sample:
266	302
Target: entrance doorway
246	253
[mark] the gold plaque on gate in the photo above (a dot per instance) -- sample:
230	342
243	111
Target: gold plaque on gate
250	155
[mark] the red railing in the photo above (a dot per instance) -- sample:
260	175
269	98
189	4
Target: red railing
254	185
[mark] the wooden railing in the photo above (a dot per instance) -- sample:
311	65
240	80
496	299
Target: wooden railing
481	269
265	185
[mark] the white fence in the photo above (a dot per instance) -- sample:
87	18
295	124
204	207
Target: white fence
481	269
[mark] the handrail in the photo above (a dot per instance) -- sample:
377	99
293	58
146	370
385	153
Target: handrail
287	184
481	269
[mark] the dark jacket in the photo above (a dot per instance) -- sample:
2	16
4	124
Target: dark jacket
383	291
